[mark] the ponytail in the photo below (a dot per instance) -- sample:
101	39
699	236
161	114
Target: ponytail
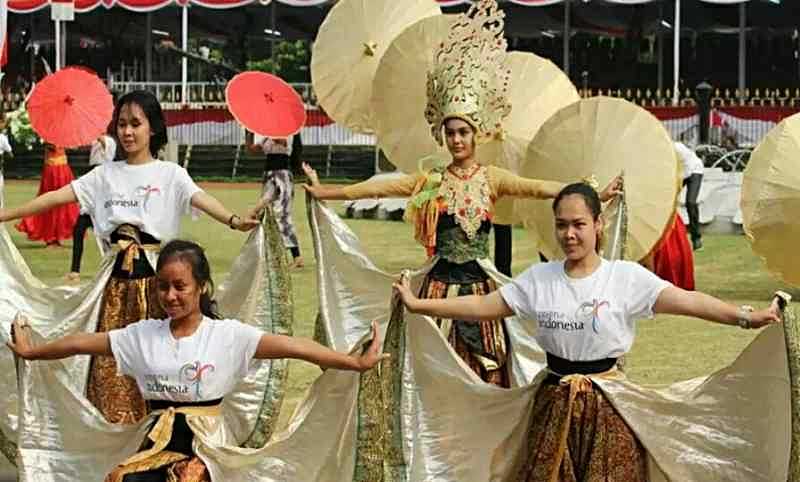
208	305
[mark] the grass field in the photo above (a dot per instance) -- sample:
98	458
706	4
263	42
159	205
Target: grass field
667	349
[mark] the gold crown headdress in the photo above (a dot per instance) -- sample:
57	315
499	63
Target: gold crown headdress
469	80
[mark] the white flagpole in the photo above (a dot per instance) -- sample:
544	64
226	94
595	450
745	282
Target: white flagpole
58	44
742	50
185	61
676	94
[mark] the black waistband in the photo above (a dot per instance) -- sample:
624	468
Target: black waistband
129	231
165	404
141	266
563	366
277	161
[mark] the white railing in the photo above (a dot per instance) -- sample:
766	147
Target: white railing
200	94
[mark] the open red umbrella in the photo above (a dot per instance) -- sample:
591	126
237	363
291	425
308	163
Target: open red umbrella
70	108
265	104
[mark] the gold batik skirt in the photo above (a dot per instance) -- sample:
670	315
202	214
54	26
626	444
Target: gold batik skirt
129	296
576	435
489	362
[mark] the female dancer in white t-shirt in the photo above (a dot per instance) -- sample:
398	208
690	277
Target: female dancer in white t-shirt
188	361
585	308
134	206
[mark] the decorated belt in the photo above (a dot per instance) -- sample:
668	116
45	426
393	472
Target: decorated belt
129	241
161	433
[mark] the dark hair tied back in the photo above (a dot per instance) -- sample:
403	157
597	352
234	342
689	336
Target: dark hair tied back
193	254
584	190
152	110
592	200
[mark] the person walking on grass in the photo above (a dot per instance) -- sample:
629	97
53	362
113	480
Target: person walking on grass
283	154
693	171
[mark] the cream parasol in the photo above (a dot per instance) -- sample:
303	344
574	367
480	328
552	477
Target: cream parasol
538	90
603	137
770	199
399	94
348	47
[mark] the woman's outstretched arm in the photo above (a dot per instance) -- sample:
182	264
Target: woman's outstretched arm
676	301
402	187
46	201
214	208
281	346
467	308
65	347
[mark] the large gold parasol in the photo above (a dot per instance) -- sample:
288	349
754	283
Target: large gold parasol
538	90
770	199
602	136
399	94
349	45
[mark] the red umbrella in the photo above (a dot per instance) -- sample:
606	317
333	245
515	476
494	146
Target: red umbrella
70	108
265	104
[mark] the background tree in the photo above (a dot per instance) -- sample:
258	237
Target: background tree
289	62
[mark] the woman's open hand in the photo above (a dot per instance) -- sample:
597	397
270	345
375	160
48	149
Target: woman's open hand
313	185
372	356
614	188
403	289
20	342
767	316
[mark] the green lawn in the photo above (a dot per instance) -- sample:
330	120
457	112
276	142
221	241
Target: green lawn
667	348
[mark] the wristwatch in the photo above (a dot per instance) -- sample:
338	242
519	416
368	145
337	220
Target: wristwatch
744	319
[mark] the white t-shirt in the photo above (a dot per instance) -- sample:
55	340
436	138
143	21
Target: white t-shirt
204	366
99	154
692	164
5	146
589	318
151	196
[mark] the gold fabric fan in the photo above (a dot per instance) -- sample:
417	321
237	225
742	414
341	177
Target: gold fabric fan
399	94
348	47
770	199
603	137
538	90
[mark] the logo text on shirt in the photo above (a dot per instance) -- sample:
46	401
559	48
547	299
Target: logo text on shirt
555	320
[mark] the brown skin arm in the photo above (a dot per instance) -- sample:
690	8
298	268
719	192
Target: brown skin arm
671	300
403	187
39	204
65	347
677	301
473	308
281	346
211	206
317	190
